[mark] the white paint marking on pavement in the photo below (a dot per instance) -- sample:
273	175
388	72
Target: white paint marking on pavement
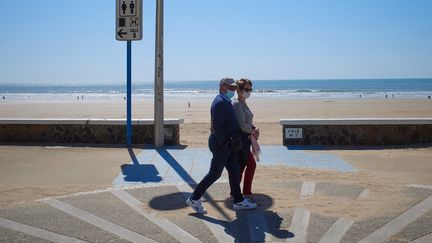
98	222
169	227
217	229
419	186
423	239
36	232
258	228
364	194
400	222
307	189
336	231
299	225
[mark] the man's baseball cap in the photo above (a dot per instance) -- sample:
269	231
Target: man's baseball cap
228	81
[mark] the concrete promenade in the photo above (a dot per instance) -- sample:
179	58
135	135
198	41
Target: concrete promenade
305	194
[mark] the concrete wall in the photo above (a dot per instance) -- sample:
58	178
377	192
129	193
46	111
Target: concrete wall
101	131
356	131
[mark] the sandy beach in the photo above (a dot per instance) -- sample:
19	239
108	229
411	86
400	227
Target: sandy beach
267	112
33	172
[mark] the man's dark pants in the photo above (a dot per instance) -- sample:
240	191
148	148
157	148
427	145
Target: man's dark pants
222	157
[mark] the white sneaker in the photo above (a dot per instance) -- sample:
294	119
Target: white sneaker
196	205
245	204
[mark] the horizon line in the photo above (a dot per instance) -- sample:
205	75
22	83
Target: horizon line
199	80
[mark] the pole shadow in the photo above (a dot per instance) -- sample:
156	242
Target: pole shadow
137	172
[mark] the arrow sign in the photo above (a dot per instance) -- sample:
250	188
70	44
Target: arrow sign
120	33
128	20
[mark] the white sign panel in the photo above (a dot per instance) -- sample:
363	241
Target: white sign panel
293	133
128	20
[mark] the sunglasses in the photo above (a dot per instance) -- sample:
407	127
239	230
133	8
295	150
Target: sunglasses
248	90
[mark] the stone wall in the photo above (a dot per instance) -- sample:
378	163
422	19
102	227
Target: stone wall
85	133
357	134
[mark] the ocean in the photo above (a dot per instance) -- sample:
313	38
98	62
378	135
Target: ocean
263	89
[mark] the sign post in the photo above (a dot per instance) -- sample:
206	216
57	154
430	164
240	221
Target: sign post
128	28
129	93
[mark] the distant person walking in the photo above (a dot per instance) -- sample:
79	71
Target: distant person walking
247	129
224	141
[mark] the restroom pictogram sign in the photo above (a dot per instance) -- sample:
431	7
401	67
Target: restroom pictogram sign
128	20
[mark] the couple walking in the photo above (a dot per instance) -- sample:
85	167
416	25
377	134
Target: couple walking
232	134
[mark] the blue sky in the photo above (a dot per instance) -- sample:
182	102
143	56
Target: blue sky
74	41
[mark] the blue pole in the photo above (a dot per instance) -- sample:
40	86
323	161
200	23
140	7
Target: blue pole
129	95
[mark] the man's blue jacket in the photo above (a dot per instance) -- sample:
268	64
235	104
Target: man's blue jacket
223	119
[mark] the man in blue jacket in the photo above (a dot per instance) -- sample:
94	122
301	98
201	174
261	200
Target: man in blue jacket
224	125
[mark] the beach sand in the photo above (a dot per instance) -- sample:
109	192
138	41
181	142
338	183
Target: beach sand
32	172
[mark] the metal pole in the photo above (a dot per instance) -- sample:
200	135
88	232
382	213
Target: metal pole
159	88
129	94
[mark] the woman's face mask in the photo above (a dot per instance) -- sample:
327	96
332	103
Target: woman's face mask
246	94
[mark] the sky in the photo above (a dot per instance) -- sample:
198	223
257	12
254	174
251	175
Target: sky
74	41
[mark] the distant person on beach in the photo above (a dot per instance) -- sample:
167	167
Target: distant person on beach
224	143
189	105
248	133
4	97
429	97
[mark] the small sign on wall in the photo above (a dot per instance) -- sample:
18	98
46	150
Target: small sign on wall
293	133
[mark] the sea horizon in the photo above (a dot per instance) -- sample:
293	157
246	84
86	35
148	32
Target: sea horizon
268	89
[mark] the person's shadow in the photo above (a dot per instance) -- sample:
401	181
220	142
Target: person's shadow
248	226
245	228
253	225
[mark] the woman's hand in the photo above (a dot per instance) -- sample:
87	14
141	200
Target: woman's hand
255	133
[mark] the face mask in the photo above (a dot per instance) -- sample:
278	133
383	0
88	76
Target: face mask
246	94
229	94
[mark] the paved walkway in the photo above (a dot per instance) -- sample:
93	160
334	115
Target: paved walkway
146	204
167	166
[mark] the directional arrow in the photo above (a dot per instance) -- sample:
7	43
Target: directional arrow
120	33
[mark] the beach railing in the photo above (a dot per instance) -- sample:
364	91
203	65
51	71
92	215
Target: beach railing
357	131
92	131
